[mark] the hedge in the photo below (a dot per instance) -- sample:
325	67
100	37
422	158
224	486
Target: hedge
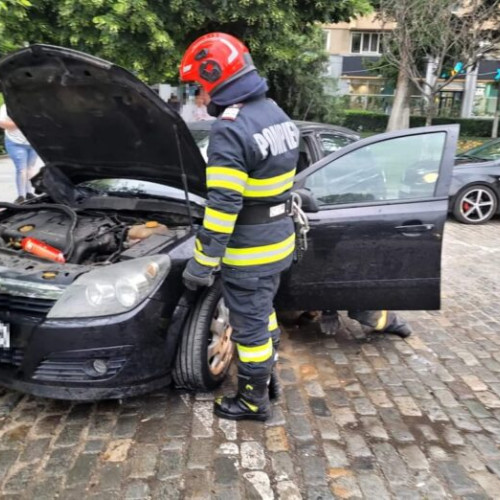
377	122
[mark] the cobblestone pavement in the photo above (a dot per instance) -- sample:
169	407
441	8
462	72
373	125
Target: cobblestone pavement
375	419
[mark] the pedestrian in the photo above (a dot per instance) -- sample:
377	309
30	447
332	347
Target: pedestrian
174	102
200	109
21	153
252	153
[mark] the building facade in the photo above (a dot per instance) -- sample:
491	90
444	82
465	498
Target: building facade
354	45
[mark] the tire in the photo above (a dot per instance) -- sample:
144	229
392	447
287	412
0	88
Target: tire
475	204
207	328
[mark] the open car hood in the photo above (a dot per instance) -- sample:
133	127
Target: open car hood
95	120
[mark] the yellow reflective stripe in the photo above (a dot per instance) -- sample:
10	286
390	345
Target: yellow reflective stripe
218	221
270	180
217	227
273	322
198	245
226	185
255	354
268	192
228	171
257	250
271	186
382	321
223	216
250	406
254	256
227	178
205	260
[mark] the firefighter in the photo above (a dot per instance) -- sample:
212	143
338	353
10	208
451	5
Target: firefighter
247	229
371	321
381	322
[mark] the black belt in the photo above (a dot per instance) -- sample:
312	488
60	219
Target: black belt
263	214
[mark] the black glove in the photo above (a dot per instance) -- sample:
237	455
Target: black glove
196	276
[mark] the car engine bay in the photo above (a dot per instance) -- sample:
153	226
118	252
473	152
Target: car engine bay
88	236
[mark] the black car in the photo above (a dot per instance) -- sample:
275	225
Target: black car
475	186
106	316
317	140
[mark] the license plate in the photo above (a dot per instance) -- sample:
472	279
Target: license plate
4	336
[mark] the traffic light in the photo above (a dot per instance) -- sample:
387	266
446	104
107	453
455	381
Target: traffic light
497	76
458	68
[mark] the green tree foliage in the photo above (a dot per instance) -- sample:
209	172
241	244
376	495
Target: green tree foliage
149	36
298	83
12	14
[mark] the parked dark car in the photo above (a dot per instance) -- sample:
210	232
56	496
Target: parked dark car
317	140
123	190
475	185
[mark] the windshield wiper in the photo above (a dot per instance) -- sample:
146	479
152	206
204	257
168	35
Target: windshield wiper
471	157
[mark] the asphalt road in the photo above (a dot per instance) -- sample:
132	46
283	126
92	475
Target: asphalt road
7	180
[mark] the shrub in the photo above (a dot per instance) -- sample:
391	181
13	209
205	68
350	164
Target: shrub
469	127
361	120
365	120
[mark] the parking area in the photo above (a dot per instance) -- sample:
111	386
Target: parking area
360	418
7	180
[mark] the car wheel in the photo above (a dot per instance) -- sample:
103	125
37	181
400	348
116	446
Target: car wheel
206	350
475	205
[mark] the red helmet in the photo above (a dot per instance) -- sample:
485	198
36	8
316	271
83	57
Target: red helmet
214	60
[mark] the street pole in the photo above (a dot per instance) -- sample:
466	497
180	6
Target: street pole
494	130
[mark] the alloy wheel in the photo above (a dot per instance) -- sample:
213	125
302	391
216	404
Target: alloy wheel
220	346
477	205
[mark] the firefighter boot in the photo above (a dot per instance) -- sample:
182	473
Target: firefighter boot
250	403
274	381
381	322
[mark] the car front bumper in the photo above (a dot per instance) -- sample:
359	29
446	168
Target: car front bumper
89	358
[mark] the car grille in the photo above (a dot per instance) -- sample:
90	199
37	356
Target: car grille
12	357
26	305
68	367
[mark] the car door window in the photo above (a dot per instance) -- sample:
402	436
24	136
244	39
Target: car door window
305	156
329	143
400	168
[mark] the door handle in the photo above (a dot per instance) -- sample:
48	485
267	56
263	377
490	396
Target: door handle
415	228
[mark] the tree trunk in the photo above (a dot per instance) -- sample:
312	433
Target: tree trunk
400	113
430	111
494	129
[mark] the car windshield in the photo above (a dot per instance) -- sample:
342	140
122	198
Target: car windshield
485	152
132	187
200	135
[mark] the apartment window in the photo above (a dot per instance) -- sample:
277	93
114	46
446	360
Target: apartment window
365	42
326	40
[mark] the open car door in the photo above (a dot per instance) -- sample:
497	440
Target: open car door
377	210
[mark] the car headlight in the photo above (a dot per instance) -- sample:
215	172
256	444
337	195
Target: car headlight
430	178
113	289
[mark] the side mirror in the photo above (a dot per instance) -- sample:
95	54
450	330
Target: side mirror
309	203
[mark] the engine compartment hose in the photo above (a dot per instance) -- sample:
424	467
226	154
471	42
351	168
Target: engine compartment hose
68	251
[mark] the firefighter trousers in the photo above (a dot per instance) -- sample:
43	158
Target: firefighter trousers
253	319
